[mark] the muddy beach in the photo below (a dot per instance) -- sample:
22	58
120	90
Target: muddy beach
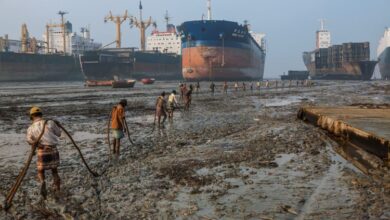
244	155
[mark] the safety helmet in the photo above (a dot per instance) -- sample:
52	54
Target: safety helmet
35	110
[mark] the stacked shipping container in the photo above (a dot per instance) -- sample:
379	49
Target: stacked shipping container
336	55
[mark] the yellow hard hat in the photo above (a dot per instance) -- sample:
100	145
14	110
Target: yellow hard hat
35	110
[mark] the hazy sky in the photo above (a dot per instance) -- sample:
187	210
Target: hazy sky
290	25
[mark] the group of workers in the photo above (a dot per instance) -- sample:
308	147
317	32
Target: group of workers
48	132
45	135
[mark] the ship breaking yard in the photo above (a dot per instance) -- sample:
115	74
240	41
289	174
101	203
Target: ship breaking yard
244	155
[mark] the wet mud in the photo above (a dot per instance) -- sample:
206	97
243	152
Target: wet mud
238	156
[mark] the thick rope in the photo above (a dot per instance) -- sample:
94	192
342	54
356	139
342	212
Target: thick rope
127	131
108	131
95	174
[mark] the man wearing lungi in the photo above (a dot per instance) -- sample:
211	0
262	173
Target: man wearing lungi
48	156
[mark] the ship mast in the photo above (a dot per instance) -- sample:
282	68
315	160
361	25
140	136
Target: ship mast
62	13
208	9
167	18
322	22
141	25
118	20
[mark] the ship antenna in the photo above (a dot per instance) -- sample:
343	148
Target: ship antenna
208	9
140	10
322	21
167	18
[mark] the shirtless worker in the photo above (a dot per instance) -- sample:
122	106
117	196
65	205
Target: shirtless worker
48	156
161	109
212	88
197	87
225	87
172	104
188	99
118	125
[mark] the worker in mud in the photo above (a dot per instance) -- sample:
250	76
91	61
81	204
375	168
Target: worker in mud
197	87
236	86
188	99
243	86
251	86
48	156
212	88
267	84
161	110
258	85
118	125
172	104
225	87
183	91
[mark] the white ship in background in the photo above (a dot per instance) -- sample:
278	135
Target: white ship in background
164	41
383	53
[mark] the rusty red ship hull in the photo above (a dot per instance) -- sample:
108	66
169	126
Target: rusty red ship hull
220	50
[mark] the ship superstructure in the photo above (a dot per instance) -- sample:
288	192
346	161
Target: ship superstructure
220	50
348	61
75	43
164	41
383	53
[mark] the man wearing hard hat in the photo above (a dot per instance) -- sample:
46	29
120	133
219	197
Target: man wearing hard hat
48	156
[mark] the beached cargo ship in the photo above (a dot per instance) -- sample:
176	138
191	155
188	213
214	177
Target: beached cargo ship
129	63
349	61
220	50
383	53
53	59
16	67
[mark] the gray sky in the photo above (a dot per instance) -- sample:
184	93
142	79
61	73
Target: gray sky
290	25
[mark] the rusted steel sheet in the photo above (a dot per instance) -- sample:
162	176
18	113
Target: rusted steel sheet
361	127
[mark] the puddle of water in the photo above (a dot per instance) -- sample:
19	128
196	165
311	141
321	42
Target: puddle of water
282	159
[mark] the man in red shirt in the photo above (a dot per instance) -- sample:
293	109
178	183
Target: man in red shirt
118	124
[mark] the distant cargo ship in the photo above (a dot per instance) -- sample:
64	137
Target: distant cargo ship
16	67
349	61
295	75
24	60
384	55
221	50
128	63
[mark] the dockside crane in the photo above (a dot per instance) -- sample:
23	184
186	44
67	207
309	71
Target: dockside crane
141	25
118	20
